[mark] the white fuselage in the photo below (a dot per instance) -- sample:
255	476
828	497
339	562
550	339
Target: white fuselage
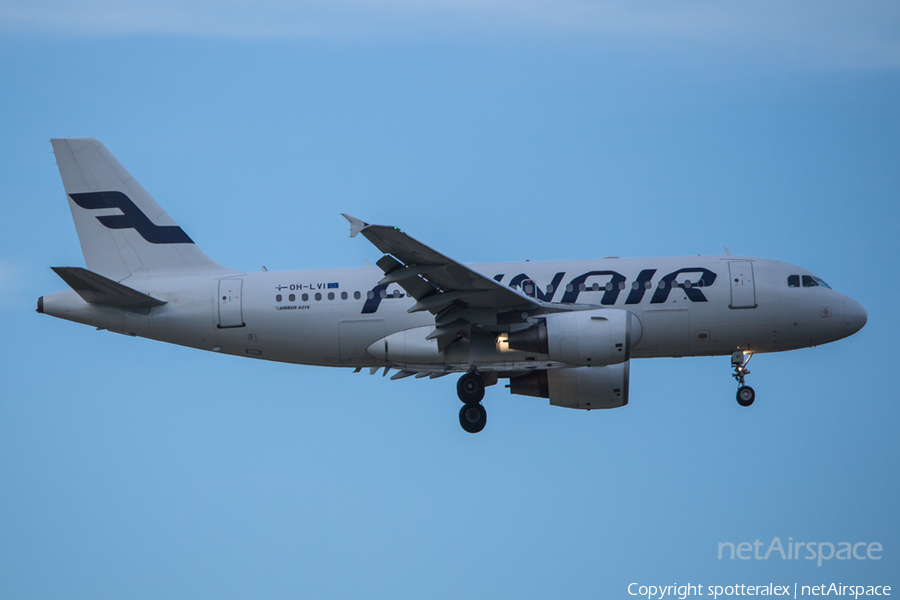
687	306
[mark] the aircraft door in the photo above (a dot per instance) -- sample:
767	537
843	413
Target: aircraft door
743	290
230	314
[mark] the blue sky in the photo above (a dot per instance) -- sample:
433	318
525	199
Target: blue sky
491	131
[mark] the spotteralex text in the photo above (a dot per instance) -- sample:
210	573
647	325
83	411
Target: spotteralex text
663	592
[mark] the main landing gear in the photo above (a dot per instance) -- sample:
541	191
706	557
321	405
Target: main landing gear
470	388
745	393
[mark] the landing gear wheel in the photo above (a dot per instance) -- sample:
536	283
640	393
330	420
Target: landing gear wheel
472	417
470	389
745	395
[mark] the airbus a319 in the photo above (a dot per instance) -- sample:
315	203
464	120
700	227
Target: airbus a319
562	330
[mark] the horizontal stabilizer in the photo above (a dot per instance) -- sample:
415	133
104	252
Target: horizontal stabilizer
97	289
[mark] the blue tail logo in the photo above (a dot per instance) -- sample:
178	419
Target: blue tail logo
131	218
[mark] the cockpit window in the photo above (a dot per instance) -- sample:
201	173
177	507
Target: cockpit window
808	281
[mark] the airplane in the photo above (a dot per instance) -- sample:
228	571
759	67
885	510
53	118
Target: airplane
561	330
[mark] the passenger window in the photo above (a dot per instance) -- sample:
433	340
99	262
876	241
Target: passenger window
356	295
331	295
318	296
278	298
343	295
292	297
809	281
304	297
793	281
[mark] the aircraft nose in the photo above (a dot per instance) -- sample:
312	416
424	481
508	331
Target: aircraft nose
855	316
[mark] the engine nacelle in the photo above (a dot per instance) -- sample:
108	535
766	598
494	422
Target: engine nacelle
581	387
586	337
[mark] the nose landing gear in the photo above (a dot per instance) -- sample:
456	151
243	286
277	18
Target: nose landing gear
745	393
470	389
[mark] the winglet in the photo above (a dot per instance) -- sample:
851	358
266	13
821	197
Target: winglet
727	251
356	225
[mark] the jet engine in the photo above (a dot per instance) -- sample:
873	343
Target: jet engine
585	338
581	387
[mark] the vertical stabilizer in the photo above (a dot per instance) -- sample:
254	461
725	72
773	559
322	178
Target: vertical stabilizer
122	230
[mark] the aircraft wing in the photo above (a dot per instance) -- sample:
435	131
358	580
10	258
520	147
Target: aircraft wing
433	279
439	284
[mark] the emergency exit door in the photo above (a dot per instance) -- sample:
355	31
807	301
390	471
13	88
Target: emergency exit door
743	290
230	303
